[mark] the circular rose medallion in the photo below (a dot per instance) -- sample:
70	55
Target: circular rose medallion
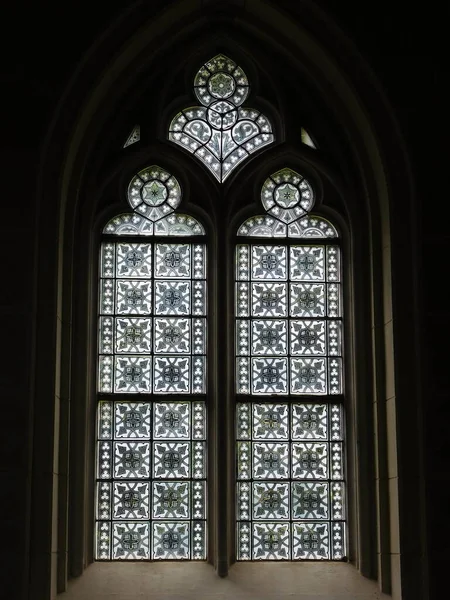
154	193
286	195
221	85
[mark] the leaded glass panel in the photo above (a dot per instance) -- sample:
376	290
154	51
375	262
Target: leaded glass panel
221	133
151	422
135	136
290	489
152	326
152	469
288	308
290	476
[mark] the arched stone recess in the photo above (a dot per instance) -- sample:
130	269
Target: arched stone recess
366	175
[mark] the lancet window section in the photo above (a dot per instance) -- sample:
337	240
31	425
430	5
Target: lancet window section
151	423
289	381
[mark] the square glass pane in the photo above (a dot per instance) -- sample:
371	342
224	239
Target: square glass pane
173	261
269	337
173	298
171	420
133	297
132	420
131	500
132	374
171	460
133	335
171	540
307	263
308	375
307	300
132	460
173	335
310	541
310	500
270	500
269	300
269	375
307	337
310	460
134	260
309	421
269	262
270	421
171	499
172	374
271	541
131	541
270	460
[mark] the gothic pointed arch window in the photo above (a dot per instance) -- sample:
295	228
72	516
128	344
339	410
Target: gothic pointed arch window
151	423
289	381
287	366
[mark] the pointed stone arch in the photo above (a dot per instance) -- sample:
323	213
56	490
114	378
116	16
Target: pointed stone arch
377	217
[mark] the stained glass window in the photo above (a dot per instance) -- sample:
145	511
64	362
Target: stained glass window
306	139
221	132
151	424
135	136
289	380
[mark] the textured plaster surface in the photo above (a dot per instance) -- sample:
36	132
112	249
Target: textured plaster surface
198	581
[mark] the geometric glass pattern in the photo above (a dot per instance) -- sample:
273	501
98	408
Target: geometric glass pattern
289	380
135	136
286	195
290	488
220	132
154	194
151	414
151	480
288	327
152	326
308	226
